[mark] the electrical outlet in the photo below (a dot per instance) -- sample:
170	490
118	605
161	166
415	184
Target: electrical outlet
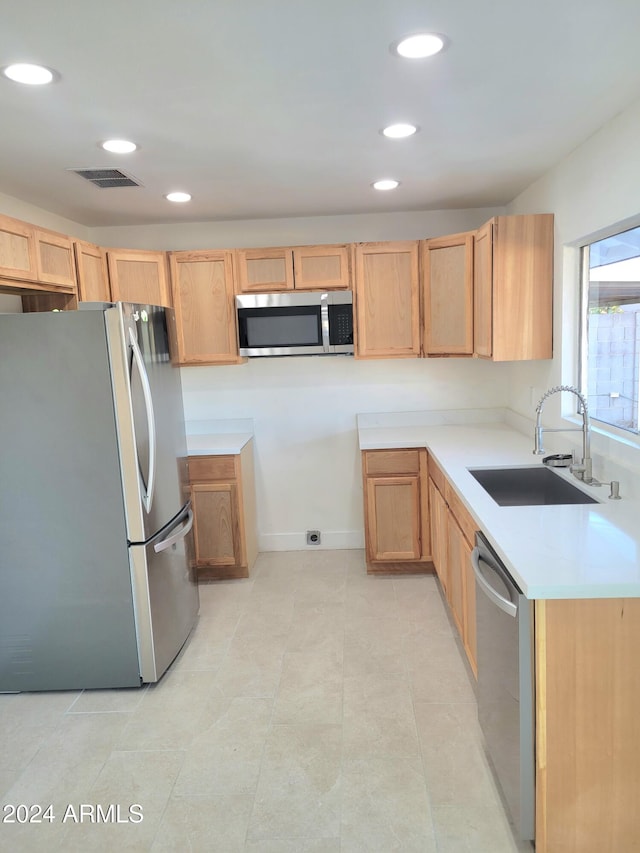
313	537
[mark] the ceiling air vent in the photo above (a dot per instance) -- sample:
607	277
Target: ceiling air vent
107	178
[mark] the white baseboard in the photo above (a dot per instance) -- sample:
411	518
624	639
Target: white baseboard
331	540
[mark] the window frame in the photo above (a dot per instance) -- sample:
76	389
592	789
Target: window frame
629	437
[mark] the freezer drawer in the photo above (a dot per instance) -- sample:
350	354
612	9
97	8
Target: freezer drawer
166	594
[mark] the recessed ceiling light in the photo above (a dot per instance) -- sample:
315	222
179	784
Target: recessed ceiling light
386	184
33	75
178	197
419	46
399	131
119	146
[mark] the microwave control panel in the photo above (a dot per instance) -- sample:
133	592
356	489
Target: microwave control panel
340	325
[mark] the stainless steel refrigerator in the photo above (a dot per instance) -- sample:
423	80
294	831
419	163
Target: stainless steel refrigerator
96	582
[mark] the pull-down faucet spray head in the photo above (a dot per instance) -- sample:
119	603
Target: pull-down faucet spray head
585	466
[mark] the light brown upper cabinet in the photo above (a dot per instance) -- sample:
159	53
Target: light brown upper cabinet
55	262
93	276
447	295
263	270
203	297
387	300
322	267
299	268
138	276
513	288
17	250
36	258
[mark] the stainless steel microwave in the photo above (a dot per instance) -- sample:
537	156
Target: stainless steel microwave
277	324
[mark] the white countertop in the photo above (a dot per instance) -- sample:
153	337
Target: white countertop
217	444
578	551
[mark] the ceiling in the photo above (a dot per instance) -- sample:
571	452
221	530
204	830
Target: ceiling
273	109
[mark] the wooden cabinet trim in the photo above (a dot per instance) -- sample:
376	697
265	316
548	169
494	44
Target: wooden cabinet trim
437	475
483	291
438	522
461	514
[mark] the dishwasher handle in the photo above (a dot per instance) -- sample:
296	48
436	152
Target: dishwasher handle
504	604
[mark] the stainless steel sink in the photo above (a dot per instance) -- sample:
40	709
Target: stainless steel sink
528	487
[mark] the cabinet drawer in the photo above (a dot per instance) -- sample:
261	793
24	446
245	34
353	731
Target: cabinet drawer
205	468
391	462
461	514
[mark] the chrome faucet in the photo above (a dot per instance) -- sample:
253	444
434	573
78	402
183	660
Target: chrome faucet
583	470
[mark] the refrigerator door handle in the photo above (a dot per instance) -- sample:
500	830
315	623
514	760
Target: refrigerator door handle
147	497
164	544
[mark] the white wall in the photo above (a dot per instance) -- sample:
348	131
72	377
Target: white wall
592	192
294	232
304	411
10	206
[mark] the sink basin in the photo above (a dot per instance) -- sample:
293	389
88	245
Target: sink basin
528	487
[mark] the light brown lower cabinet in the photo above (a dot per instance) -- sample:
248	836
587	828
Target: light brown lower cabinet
438	513
223	498
396	499
587	725
452	535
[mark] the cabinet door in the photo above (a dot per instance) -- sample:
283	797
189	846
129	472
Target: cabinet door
321	267
455	561
439	534
448	295
54	259
138	276
93	276
387	300
522	287
216	524
393	518
17	250
203	297
264	270
483	291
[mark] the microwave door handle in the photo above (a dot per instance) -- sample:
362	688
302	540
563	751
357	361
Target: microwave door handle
324	321
147	498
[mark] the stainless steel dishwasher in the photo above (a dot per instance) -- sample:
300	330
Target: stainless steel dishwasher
505	683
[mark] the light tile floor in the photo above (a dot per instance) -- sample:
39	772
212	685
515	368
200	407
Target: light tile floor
314	709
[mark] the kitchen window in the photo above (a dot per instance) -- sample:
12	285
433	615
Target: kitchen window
610	345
